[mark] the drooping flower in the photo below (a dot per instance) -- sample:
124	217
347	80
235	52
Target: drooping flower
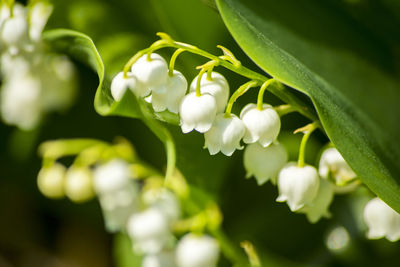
163	200
117	193
224	135
264	162
261	125
297	186
381	220
176	86
120	84
51	180
197	112
39	14
79	184
149	231
218	87
319	207
197	251
14	31
333	165
163	259
152	72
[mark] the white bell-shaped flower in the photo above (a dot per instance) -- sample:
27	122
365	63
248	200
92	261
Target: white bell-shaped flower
120	84
224	135
333	165
79	184
382	220
39	14
163	259
14	31
319	207
117	193
264	162
297	186
153	73
149	231
261	125
163	200
197	251
4	12
51	180
197	112
176	86
218	87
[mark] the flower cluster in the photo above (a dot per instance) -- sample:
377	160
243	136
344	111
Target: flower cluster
34	81
132	197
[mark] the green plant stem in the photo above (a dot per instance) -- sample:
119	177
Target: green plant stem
172	61
307	130
240	91
231	252
260	98
282	110
202	71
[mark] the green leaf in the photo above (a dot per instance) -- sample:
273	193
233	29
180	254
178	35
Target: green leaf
80	47
349	76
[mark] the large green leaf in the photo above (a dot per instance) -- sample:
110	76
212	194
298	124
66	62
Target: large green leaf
349	76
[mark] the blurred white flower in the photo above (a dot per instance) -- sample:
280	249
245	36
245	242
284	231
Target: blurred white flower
197	251
381	220
163	259
218	87
332	164
120	84
14	31
264	162
153	73
149	231
39	14
297	186
224	135
117	193
197	112
163	200
176	87
261	125
319	207
51	180
79	184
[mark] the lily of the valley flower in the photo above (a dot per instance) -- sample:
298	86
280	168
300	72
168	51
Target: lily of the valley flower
163	259
14	31
224	135
297	186
51	180
151	72
120	84
264	162
319	207
333	165
117	193
217	87
197	112
39	14
261	125
149	231
197	251
381	220
163	200
79	184
176	86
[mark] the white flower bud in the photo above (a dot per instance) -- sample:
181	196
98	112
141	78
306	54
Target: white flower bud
163	259
197	251
197	112
78	184
163	200
218	87
381	220
15	30
4	12
151	73
319	207
39	14
51	180
264	162
117	193
120	84
176	87
332	164
149	231
261	125
297	186
224	135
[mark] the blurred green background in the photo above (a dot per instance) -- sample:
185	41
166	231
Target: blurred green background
35	231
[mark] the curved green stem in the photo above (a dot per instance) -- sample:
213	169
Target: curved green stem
231	252
282	110
202	71
240	91
307	130
260	98
172	61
